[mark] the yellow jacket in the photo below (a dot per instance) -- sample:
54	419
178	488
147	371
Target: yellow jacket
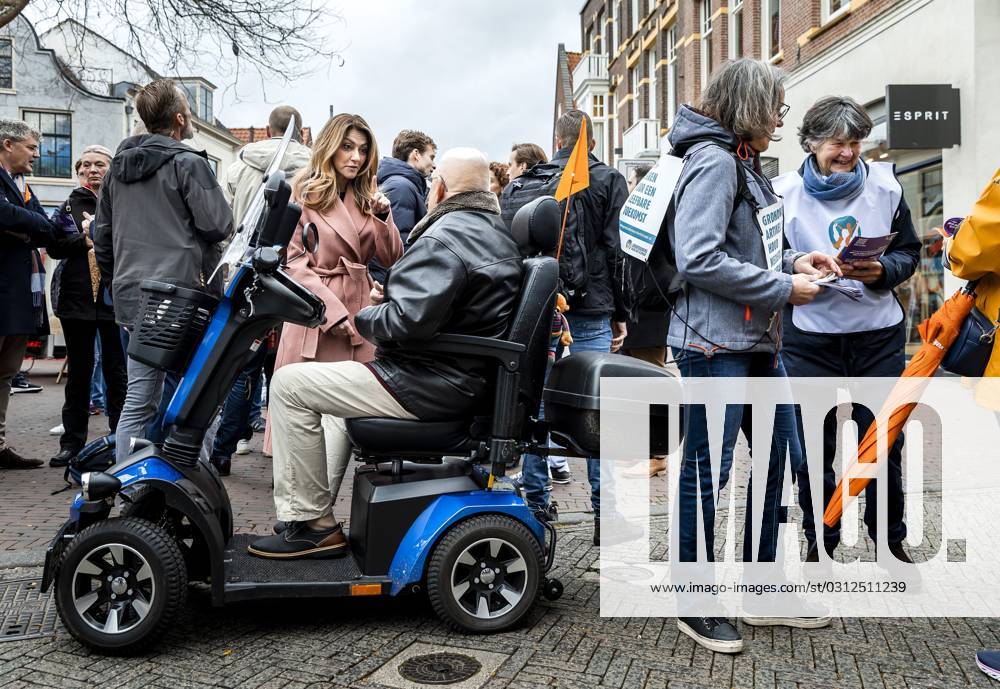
975	254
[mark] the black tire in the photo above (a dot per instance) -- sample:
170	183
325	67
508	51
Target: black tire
158	593
444	571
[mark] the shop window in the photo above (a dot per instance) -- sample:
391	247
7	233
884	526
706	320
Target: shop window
56	146
923	293
6	63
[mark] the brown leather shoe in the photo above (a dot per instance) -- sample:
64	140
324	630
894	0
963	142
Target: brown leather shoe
11	460
299	541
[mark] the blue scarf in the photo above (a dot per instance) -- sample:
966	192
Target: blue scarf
835	187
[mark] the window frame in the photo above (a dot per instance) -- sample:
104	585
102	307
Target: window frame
24	112
651	100
705	27
13	72
827	14
597	102
634	90
616	15
770	48
736	36
671	57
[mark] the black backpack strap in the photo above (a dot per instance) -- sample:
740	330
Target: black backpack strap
742	188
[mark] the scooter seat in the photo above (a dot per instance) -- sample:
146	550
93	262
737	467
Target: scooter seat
401	436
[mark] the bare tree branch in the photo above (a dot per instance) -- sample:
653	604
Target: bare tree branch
280	40
10	9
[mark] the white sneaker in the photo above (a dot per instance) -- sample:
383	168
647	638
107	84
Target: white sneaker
243	447
57	430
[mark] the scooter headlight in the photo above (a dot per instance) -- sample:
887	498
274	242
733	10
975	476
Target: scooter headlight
96	485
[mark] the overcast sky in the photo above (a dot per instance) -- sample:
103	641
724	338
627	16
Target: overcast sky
467	73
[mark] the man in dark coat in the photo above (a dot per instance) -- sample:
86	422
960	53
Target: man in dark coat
22	289
161	216
82	301
403	178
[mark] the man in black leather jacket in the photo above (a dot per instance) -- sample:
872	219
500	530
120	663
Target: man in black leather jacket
462	274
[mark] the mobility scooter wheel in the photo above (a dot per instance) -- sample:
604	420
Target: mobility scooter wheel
485	574
552	589
119	584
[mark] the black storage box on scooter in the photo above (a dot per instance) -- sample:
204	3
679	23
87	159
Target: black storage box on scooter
573	400
171	322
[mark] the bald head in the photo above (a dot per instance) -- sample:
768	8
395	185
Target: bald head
464	169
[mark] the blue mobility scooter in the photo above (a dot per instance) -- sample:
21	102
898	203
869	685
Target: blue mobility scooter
424	516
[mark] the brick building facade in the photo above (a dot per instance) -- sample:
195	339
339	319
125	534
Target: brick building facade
640	59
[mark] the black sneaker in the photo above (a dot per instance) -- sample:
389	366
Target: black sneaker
20	383
561	476
548	513
62	459
258	425
714	633
812	554
222	466
299	541
11	460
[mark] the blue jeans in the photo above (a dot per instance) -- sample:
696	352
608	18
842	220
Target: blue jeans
98	390
590	334
696	467
235	423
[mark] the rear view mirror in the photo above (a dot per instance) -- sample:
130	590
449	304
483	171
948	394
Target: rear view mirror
310	238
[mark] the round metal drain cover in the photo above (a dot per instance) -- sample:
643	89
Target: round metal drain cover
439	668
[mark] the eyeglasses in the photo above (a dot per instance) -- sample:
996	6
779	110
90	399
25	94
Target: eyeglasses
783	110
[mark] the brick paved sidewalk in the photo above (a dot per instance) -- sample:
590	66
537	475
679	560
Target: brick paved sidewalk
355	643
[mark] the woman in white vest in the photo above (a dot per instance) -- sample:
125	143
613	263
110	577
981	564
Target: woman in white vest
832	198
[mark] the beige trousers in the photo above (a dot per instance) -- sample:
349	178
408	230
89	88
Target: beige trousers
307	406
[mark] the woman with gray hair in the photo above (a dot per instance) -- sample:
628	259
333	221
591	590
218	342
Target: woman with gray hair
832	198
726	234
82	301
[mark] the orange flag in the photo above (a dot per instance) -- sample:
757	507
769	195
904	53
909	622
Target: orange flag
576	176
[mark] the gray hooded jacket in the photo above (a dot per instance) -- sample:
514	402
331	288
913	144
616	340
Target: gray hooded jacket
719	252
161	216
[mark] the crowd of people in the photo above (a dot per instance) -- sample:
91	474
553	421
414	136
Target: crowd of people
413	244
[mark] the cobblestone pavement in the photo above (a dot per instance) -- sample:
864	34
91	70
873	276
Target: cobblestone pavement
345	643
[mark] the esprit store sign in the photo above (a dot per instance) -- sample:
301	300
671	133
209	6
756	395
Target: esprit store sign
922	116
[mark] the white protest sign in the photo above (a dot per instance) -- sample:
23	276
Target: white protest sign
641	216
771	222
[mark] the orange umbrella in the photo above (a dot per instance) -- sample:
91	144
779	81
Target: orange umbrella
938	332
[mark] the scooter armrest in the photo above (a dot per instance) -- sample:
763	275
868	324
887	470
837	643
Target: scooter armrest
507	353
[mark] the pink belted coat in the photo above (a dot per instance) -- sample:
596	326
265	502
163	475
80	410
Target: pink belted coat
338	274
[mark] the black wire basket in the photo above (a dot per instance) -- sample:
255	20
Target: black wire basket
171	323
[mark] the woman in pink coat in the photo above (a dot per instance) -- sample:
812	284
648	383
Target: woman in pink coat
338	194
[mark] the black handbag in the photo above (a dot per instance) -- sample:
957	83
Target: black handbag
972	350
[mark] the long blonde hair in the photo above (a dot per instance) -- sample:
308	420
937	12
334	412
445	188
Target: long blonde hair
316	184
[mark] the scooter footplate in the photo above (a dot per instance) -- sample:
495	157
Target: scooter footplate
242	567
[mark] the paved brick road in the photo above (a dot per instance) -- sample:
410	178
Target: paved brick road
345	643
